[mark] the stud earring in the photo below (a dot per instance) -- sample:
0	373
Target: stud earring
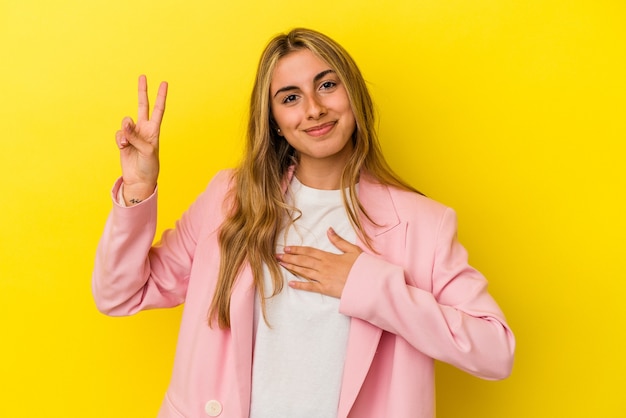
278	130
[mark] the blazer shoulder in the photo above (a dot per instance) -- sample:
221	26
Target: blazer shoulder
219	185
223	179
410	205
213	203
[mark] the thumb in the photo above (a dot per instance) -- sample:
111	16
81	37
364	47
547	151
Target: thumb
341	243
131	134
128	126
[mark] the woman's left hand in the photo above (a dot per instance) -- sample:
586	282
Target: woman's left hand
325	272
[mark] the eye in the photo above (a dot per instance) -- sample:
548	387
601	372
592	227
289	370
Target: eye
289	98
327	85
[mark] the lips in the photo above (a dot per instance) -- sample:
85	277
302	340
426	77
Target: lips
320	130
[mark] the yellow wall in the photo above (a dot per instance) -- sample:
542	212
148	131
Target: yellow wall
513	112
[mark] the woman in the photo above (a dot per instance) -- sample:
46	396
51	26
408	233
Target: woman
316	283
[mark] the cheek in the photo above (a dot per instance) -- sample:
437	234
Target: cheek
282	117
349	116
343	105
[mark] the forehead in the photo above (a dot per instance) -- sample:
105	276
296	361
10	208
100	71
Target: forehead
296	69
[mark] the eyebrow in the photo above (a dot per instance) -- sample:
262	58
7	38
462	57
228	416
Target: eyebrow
317	78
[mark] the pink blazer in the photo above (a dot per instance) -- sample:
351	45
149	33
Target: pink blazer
416	300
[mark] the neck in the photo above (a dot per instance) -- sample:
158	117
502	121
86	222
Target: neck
323	175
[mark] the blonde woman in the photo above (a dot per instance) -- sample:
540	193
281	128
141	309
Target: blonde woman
316	283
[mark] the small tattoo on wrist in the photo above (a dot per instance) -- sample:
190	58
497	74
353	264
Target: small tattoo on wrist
135	201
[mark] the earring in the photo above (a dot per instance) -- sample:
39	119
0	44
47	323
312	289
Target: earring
278	130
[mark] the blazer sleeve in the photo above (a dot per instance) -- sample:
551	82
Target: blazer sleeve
130	273
455	320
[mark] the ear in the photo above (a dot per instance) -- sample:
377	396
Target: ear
274	126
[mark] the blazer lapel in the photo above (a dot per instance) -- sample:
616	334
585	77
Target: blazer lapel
242	323
383	230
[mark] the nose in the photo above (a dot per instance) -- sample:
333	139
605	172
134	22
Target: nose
316	108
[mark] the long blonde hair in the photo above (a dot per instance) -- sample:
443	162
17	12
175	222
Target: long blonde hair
258	208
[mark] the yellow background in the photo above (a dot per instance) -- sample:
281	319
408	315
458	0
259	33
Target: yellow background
512	112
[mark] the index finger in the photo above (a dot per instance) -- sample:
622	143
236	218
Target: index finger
302	250
143	104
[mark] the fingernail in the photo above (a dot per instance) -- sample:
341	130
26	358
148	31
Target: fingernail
287	249
331	231
278	256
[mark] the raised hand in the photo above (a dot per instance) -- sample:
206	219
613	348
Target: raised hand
325	272
139	145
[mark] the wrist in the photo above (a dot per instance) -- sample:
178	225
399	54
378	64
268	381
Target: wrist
137	193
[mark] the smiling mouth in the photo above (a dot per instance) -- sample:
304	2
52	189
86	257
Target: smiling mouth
320	130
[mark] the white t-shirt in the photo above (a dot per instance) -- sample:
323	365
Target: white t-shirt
298	362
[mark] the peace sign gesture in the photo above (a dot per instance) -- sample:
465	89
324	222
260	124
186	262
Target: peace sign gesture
139	145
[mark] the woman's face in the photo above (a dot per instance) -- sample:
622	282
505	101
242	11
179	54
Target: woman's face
311	108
